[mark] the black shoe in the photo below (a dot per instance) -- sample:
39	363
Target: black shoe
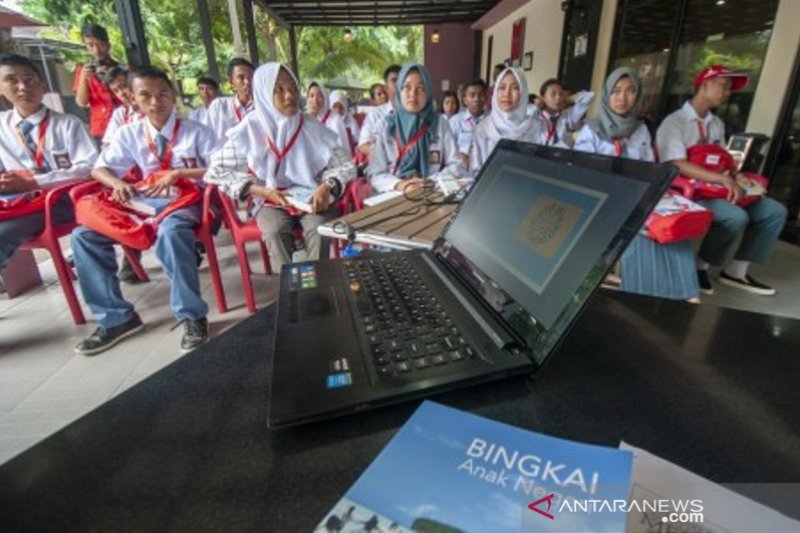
195	333
747	284
102	339
199	253
705	282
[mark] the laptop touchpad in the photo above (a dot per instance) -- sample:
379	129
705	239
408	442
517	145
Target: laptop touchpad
311	304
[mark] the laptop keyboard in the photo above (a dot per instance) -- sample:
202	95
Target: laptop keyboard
406	328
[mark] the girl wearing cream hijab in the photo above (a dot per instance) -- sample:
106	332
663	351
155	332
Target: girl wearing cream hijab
508	119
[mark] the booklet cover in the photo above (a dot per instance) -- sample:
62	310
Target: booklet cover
447	471
300	198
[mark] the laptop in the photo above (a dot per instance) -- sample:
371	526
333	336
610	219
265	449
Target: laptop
496	295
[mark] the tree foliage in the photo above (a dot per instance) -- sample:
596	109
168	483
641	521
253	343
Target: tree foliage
174	39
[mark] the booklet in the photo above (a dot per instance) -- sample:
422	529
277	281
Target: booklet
152	205
670	498
448	471
300	198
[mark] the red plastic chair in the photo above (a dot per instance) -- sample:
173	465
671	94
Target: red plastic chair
242	233
133	257
48	240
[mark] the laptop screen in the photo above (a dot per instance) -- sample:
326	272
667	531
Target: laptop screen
546	230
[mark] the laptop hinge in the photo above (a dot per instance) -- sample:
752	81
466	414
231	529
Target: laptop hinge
500	338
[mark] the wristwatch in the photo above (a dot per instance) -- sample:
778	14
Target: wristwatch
335	186
245	192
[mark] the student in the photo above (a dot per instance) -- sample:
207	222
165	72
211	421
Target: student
450	105
161	141
507	120
647	267
560	115
117	80
39	148
416	143
378	94
341	105
498	68
301	153
228	111
375	120
208	91
468	119
88	86
318	106
738	235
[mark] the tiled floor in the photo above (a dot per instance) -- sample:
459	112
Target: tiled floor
45	386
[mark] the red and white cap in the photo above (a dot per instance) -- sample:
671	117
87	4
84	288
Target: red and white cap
738	80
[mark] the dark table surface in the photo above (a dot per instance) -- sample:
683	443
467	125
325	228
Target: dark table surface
713	390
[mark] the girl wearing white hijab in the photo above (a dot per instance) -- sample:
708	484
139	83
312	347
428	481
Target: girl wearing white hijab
508	119
647	267
318	105
277	147
340	105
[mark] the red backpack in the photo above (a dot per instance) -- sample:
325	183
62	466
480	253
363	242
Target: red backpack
121	222
26	203
715	158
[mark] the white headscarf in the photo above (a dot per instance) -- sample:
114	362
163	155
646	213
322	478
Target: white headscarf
326	102
308	156
514	124
341	97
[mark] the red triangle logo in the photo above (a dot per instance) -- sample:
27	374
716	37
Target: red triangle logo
549	500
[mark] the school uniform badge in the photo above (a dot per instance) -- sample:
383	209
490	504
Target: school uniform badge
62	160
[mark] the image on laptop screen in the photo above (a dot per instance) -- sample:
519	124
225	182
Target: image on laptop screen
537	227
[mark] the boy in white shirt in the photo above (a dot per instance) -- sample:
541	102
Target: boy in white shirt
739	235
208	91
226	112
375	121
117	81
162	141
462	124
39	149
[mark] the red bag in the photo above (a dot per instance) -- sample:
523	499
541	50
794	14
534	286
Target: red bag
101	213
676	219
715	158
25	203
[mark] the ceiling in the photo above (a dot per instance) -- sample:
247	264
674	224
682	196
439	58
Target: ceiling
376	13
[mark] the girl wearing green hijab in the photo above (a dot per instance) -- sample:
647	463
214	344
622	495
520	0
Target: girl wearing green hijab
415	143
647	267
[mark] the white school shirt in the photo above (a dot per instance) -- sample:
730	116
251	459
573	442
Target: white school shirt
461	126
69	150
567	123
638	146
334	122
225	113
374	123
192	149
680	131
443	157
122	115
199	114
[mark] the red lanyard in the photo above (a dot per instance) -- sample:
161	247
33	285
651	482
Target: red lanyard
702	131
403	150
617	147
552	126
327	115
128	115
279	155
166	159
236	109
38	155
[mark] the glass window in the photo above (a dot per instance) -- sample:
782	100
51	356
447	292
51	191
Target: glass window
734	33
643	43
